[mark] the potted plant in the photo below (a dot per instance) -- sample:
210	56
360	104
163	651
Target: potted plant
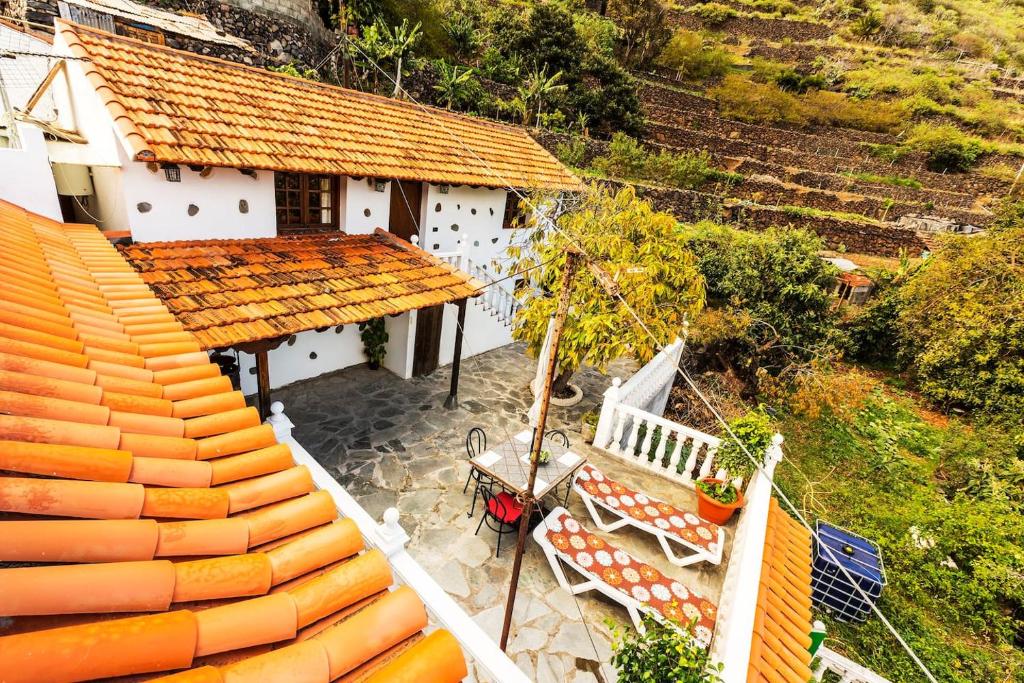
375	341
544	457
588	426
717	500
664	653
754	430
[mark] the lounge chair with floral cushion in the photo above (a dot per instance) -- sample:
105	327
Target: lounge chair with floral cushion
635	585
702	539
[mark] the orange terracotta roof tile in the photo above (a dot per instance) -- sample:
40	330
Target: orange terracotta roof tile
230	292
782	621
114	509
179	107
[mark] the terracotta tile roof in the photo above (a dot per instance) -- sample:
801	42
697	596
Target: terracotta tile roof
855	280
175	106
226	292
782	621
149	524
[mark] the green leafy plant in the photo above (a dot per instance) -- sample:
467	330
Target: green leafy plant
948	148
453	83
755	431
722	491
629	160
572	152
375	340
693	59
664	653
637	246
713	13
298	71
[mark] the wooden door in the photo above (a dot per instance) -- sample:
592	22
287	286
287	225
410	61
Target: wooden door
427	346
406	199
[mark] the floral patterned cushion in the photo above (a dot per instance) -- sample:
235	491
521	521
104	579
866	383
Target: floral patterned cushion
685	525
625	573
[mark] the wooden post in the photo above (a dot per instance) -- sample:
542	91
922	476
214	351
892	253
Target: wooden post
538	437
263	383
453	393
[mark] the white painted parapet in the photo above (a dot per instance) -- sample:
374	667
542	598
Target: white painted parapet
391	539
734	627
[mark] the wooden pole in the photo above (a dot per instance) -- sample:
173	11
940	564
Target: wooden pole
263	382
453	392
538	437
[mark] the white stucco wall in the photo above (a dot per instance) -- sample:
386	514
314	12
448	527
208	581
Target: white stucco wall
483	332
358	198
25	177
400	331
289	364
472	214
217	197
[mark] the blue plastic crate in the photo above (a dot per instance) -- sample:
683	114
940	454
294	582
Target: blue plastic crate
831	587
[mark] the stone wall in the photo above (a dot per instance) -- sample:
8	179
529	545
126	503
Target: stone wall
767	29
278	37
862	238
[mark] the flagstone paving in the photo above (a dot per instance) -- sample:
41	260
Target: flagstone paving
391	442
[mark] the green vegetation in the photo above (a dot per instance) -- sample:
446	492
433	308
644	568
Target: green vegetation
375	340
897	181
755	431
769	302
872	459
713	13
640	248
664	654
694	58
628	160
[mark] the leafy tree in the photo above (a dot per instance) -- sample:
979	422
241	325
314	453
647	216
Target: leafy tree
390	47
608	98
961	321
548	38
663	654
769	299
637	246
452	83
873	333
538	88
644	26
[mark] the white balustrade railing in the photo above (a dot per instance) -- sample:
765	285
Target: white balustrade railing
649	386
667	448
848	670
496	298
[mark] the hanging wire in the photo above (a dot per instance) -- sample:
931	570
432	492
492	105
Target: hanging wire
755	462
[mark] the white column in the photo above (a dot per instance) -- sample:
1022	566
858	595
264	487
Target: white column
606	422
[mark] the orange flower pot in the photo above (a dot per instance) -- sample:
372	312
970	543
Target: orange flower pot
714	511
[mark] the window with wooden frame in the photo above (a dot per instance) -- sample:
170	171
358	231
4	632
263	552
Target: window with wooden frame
514	216
306	202
146	35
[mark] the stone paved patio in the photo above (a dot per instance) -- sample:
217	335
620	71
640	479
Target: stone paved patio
392	443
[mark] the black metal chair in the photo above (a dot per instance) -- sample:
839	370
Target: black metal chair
557	437
502	513
476	443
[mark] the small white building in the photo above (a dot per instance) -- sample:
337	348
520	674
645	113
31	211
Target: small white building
167	146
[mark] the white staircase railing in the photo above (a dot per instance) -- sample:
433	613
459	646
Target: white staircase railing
497	298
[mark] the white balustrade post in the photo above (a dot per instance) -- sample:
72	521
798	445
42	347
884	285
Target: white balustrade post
460	253
415	239
392	536
279	421
606	421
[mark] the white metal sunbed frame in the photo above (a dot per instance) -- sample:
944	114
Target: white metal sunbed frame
696	553
634	607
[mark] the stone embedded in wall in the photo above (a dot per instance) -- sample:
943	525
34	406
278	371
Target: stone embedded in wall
366	212
312	355
193	209
144	207
243	206
473	211
437	207
455	227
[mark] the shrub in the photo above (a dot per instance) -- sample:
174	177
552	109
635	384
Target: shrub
663	654
946	146
713	13
769	295
692	59
961	321
629	160
572	153
755	431
743	100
